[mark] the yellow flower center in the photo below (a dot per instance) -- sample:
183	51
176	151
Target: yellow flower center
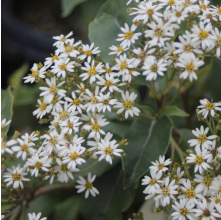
165	191
154	68
153	181
150	12
218	42
108	83
34	73
202	138
217	201
159	32
203	34
119	49
108	150
128	35
63	39
210	106
128	104
184	211
94	100
43	106
178	13
16	176
177	179
3	145
204	7
105	101
188	48
82	90
69	48
88	186
219	9
161	166
54	57
70	125
171	2
64	115
92	71
76	101
64	168
207	181
88	52
63	67
38	165
190	67
53	89
74	156
187	3
199	159
206	213
54	100
209	16
190	193
142	55
123	65
24	147
95	127
53	140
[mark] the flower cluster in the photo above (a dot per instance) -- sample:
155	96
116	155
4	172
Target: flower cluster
76	91
154	50
181	195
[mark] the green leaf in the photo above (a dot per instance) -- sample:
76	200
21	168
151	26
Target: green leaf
112	198
173	111
16	77
6	105
147	109
103	32
67	6
154	94
68	208
146	142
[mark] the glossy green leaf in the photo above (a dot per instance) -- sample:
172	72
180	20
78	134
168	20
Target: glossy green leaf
6	105
15	79
68	209
112	198
67	6
147	140
103	32
173	111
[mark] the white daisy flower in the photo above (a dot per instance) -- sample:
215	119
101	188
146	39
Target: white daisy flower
190	193
61	66
5	146
4	123
127	105
118	49
92	99
32	137
108	82
189	6
198	160
216	201
217	11
202	139
108	149
208	107
92	71
208	16
81	89
69	49
52	90
95	127
204	184
206	211
160	166
170	4
56	103
153	67
191	64
105	102
50	174
153	182
24	148
33	216
75	103
88	52
183	210
160	33
179	174
217	36
128	37
50	60
35	73
73	158
167	191
34	164
187	46
203	35
15	177
123	65
178	14
71	125
216	184
87	184
61	40
43	109
146	11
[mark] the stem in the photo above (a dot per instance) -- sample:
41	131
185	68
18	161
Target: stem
88	168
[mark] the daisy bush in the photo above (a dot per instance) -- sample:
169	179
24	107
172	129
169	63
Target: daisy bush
119	119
